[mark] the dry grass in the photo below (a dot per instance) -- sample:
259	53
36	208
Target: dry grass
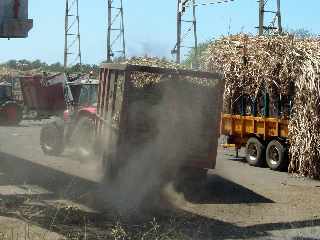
69	222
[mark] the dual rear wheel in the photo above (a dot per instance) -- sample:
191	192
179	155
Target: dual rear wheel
274	154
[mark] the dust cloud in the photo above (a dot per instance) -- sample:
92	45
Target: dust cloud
168	125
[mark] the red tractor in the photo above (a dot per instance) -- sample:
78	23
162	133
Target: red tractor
76	127
10	109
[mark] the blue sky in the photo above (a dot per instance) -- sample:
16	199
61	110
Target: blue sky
150	26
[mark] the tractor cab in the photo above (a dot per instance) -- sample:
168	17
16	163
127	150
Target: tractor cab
5	92
84	92
82	98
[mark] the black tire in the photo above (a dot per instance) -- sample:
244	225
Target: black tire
84	137
191	177
191	182
111	164
110	168
276	156
193	174
255	151
51	139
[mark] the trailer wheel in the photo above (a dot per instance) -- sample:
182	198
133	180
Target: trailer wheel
255	152
191	182
276	156
193	174
51	139
191	178
110	168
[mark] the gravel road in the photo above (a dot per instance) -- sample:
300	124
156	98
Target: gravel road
237	202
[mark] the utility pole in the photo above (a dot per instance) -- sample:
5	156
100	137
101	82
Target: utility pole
66	24
72	39
185	27
115	36
261	17
279	16
177	50
196	63
263	29
109	52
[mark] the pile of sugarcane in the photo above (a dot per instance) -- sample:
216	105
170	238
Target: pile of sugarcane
274	64
142	79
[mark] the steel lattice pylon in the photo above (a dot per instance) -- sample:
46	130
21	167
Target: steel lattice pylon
116	45
186	25
72	34
275	26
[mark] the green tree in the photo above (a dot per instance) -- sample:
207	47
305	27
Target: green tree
192	58
11	64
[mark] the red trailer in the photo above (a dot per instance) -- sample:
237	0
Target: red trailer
44	95
168	116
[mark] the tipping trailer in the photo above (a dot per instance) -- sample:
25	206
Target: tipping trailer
44	95
161	114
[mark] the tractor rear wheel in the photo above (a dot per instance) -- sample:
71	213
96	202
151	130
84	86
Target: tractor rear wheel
51	139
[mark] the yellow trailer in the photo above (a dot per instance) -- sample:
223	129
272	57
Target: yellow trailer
265	138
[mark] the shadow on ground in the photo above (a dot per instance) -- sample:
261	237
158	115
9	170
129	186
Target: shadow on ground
162	223
218	190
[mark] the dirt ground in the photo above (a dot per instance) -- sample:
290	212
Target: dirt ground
45	197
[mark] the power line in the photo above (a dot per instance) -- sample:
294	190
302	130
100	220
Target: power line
210	3
188	7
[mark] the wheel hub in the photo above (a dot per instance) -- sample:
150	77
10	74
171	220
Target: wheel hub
274	155
252	152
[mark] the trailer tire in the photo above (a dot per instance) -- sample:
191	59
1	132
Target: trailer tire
110	168
194	174
255	151
276	156
51	139
191	178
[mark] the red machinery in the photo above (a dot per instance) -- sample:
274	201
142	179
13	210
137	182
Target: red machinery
76	128
10	109
43	95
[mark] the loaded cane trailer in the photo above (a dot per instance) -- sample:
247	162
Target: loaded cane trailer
261	126
165	114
